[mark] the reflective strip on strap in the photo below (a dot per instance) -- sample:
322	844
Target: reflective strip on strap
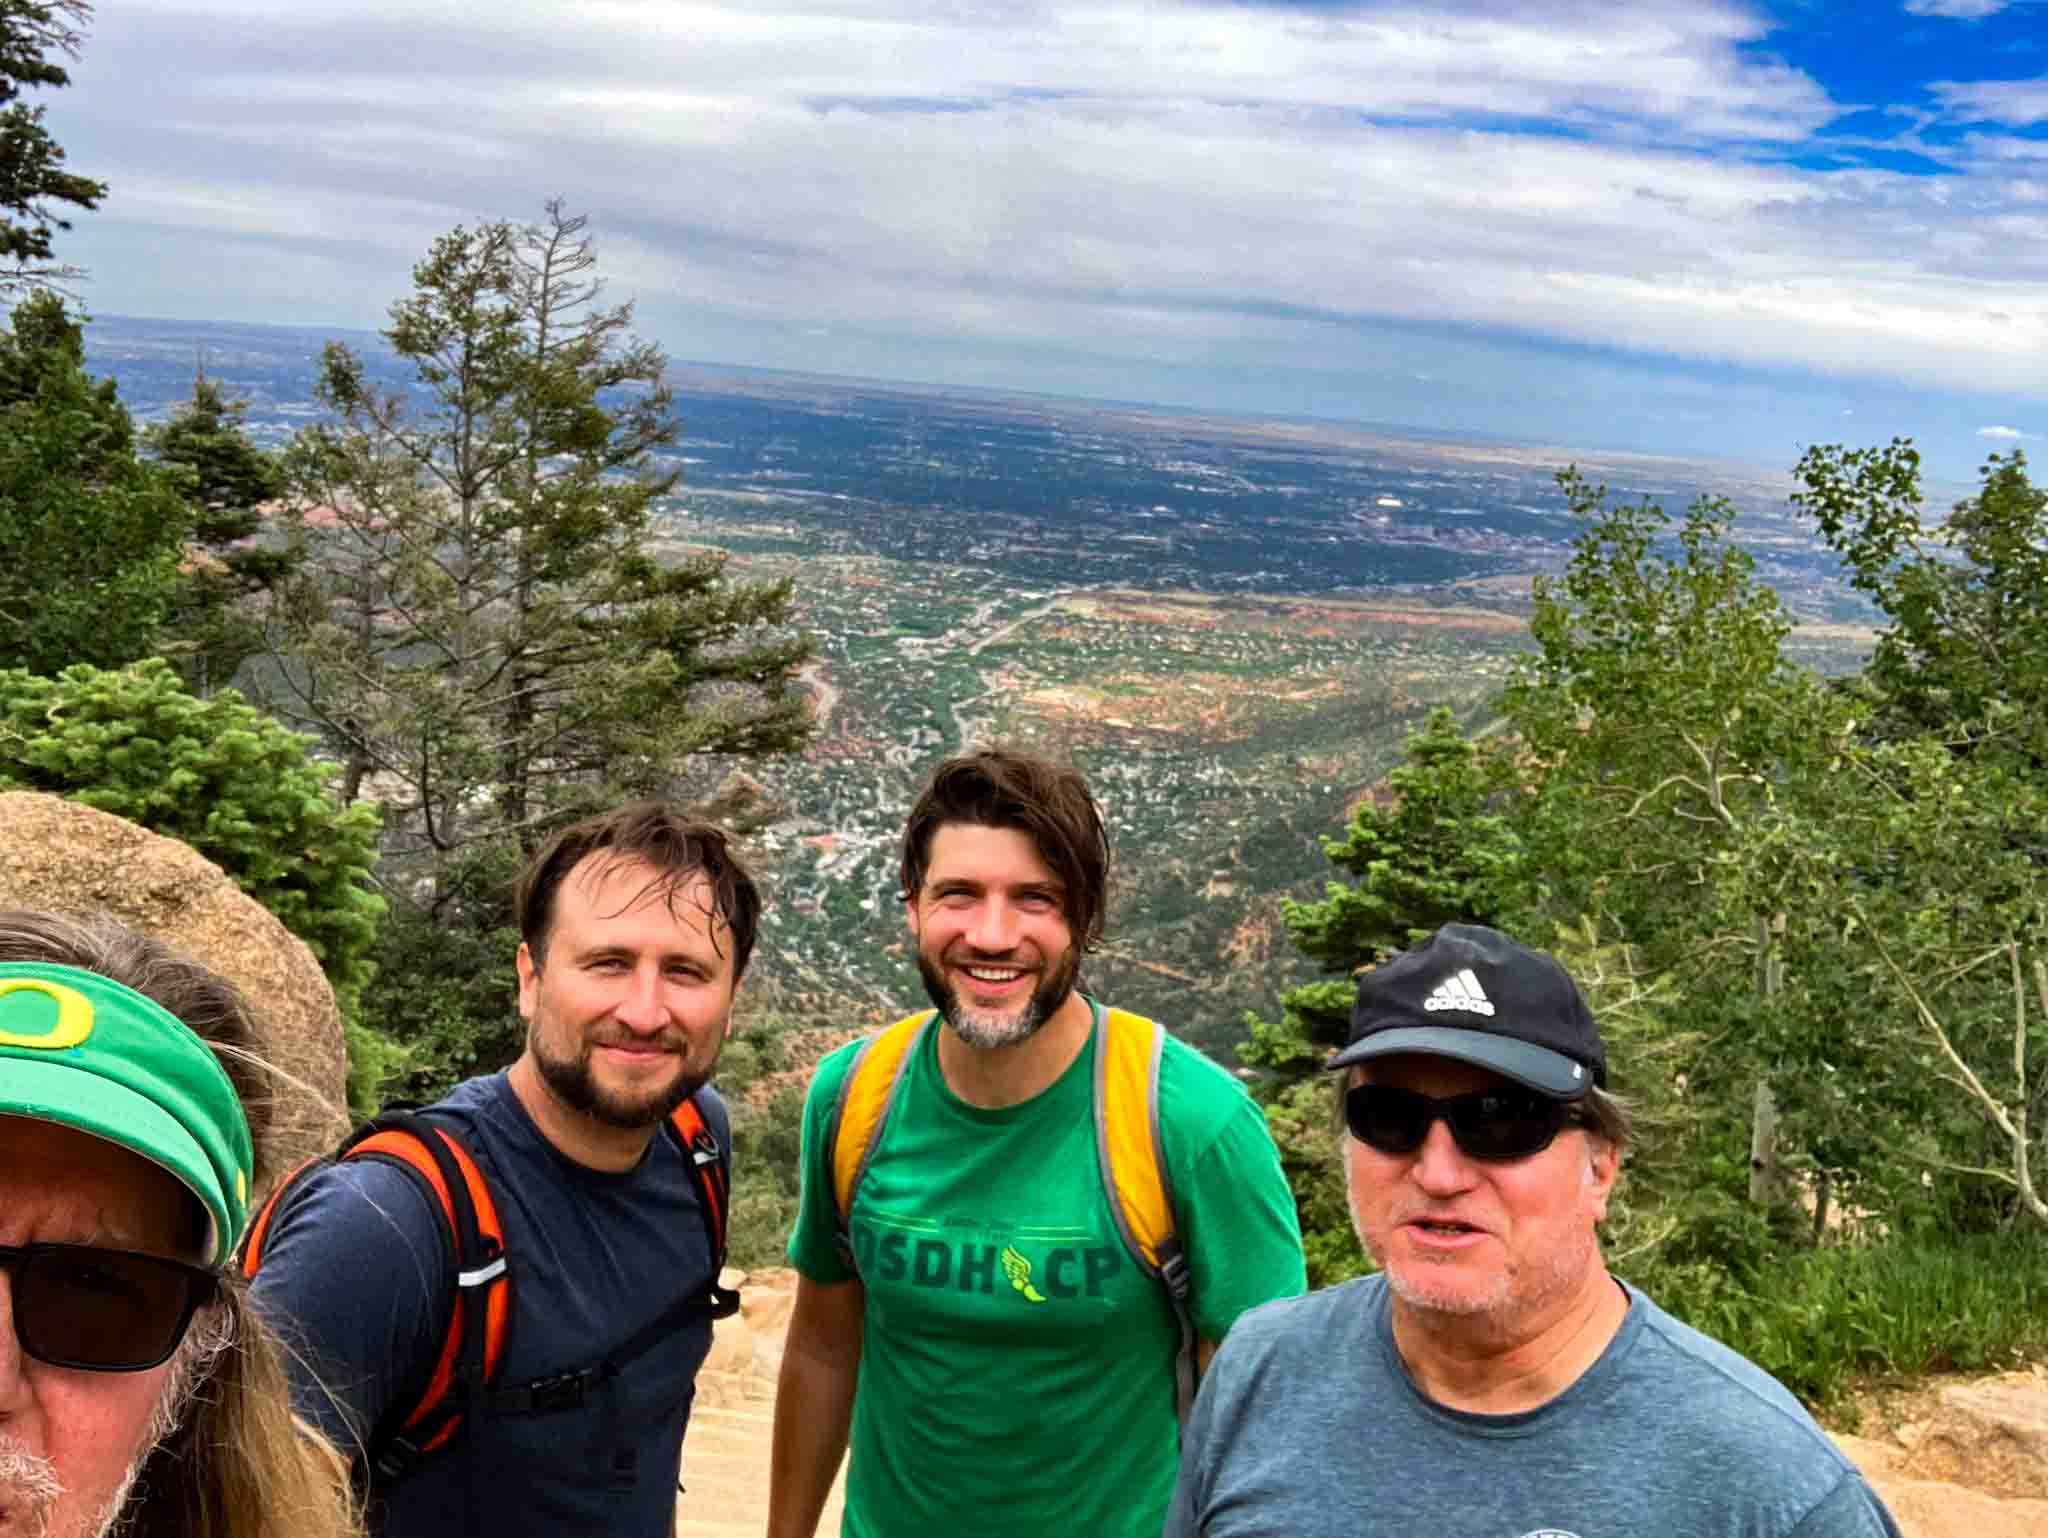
482	1274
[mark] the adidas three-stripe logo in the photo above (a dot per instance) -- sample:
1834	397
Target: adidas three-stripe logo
1460	990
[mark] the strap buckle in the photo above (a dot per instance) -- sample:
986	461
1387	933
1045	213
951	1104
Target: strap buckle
1175	1274
395	1458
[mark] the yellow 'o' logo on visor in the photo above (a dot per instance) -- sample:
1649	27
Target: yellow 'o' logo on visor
74	1015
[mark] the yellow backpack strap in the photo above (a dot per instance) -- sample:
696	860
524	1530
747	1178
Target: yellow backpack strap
865	1097
1134	1173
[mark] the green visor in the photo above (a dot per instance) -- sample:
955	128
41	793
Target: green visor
84	1051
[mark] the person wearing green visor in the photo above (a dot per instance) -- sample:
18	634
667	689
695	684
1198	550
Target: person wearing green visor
138	1390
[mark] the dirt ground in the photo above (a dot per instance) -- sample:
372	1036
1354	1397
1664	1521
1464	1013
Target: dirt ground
1956	1457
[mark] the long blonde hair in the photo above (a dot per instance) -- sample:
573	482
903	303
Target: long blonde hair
229	1460
238	1463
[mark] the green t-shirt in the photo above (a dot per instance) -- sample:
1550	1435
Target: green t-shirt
1016	1372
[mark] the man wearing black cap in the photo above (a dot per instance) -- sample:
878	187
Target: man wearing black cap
1494	1380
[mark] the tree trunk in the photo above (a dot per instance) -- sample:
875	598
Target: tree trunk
1763	1148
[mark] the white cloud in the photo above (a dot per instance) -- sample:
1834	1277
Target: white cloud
2017	103
2004	433
1959	10
1205	180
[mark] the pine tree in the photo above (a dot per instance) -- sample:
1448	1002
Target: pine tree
230	573
33	180
481	622
90	536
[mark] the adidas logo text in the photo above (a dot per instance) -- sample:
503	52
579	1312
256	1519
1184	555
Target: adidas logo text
1460	990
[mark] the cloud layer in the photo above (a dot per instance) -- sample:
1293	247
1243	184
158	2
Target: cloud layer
1200	181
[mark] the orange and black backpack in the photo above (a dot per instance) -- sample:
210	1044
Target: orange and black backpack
461	1383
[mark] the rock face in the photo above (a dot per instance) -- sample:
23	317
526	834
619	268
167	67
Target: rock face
59	856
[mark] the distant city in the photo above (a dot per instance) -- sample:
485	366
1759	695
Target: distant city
1230	623
1057	490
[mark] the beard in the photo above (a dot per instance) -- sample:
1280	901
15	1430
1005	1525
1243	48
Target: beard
1512	1294
987	1028
576	1086
29	1488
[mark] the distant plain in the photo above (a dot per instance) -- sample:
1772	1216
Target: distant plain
1230	623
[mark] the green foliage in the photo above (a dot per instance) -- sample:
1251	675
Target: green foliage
1303	1120
1817	1320
766	1183
222	777
225	479
1432	852
33	181
1967	601
90	537
449	992
1662	725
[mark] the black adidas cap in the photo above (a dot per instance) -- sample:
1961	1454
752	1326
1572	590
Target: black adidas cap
1471	993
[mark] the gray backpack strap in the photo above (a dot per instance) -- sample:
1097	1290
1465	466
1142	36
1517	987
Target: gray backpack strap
1135	1179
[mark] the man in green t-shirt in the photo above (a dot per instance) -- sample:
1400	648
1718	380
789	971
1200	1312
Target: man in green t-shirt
977	1330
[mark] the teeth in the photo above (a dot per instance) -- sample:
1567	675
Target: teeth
981	974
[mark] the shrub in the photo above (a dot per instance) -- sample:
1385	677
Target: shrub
228	780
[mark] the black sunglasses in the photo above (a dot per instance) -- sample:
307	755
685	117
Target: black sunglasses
101	1310
1495	1124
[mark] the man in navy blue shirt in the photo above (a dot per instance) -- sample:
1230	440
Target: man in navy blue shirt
636	927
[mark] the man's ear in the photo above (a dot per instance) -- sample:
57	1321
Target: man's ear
529	981
1603	1169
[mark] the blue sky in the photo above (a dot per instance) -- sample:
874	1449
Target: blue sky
1710	227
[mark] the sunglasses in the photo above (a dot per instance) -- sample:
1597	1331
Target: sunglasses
1493	1124
101	1310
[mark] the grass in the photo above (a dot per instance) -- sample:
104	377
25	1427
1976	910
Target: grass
1818	1320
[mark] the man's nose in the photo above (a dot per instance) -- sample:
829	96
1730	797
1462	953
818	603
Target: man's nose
13	1360
641	1007
1441	1167
994	927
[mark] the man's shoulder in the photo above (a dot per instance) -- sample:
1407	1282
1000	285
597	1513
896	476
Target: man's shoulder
1202	1103
1308	1323
1723	1394
830	1075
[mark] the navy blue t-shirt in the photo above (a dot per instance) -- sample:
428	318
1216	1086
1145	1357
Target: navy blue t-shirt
356	1275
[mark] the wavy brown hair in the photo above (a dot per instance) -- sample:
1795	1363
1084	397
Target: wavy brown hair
680	847
228	1459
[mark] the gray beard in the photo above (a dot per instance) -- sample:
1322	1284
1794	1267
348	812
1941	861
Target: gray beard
29	1484
989	1031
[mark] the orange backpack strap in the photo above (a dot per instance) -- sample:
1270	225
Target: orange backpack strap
711	1171
483	1286
482	1304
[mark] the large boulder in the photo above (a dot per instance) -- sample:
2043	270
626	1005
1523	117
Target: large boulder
62	857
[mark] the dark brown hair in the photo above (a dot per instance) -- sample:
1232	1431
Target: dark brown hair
679	846
1048	803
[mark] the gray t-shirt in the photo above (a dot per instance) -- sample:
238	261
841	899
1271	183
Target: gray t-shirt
1308	1425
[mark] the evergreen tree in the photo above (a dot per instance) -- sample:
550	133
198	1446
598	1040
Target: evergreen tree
33	181
226	479
227	779
1433	850
480	620
90	536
